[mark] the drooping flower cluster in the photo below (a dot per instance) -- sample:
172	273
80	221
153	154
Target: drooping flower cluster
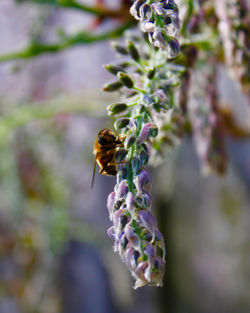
206	122
160	19
234	27
146	82
137	238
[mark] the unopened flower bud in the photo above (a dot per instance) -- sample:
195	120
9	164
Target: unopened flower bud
148	221
134	10
117	108
110	204
122	174
117	205
159	240
113	69
119	220
151	73
144	157
148	129
130	202
126	80
144	200
171	6
123	242
129	141
153	131
113	86
150	253
111	232
174	47
142	179
120	49
157	8
121	190
121	123
132	237
133	51
136	164
120	155
159	39
145	11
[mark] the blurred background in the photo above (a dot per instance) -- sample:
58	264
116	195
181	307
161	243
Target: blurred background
55	255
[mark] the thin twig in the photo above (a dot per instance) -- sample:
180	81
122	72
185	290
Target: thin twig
100	11
81	38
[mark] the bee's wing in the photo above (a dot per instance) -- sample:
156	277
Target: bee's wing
93	176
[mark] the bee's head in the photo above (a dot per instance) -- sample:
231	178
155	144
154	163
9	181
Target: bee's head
106	136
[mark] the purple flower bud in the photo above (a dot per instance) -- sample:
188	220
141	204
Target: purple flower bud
142	179
157	275
110	204
134	10
122	174
111	232
130	203
159	240
118	205
171	6
121	190
157	8
144	199
150	253
159	39
128	256
148	221
145	132
132	125
145	11
134	259
139	274
123	241
144	157
174	47
160	93
120	155
129	141
146	235
175	21
132	237
119	220
136	164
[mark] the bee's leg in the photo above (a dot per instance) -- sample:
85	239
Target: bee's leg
93	175
117	163
101	171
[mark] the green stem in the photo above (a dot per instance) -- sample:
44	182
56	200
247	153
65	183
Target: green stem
81	38
97	10
140	90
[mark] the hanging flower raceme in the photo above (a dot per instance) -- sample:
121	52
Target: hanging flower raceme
234	28
137	238
146	82
206	121
160	19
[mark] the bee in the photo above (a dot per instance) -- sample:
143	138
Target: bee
105	150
